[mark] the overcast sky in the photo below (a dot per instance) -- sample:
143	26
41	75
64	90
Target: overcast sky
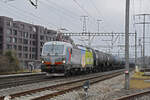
67	14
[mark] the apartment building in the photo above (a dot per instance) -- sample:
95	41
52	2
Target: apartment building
25	39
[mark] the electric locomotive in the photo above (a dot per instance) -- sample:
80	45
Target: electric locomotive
62	58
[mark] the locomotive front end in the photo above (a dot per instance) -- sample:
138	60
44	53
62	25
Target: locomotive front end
54	57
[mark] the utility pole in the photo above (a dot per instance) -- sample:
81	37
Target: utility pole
135	48
140	44
144	24
85	29
127	45
84	23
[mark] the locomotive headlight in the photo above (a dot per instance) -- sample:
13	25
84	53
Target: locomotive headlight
64	61
42	61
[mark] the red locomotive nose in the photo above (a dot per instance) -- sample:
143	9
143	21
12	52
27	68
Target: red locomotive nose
58	63
47	63
55	63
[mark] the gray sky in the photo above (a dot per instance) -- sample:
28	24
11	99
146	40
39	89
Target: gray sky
54	14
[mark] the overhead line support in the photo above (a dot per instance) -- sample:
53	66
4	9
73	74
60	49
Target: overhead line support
144	28
96	34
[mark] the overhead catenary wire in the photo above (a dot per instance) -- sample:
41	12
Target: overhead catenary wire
84	10
17	12
68	17
30	14
100	15
69	12
14	14
87	14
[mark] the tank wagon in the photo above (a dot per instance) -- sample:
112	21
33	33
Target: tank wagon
65	59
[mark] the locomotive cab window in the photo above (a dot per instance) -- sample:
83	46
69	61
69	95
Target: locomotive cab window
53	49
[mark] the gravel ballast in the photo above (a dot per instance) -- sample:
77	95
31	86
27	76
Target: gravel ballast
99	91
21	88
105	90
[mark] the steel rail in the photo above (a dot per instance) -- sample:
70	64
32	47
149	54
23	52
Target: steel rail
63	91
57	85
5	83
133	96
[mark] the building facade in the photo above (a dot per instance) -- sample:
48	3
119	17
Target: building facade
24	38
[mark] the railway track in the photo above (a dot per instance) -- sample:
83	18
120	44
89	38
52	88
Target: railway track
136	96
58	89
8	82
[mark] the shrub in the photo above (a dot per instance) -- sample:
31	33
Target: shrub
9	62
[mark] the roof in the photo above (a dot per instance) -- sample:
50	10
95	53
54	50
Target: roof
58	43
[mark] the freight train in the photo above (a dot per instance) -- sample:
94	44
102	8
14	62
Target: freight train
66	59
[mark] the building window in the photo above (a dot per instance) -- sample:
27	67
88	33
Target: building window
8	23
15	25
20	47
30	49
9	39
1	39
25	41
30	42
15	47
9	31
33	43
33	56
33	50
20	33
9	46
19	40
20	55
1	30
34	36
25	34
25	48
30	36
14	40
41	37
21	26
30	56
15	32
25	55
1	47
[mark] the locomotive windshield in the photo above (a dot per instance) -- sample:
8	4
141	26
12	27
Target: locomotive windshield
53	49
